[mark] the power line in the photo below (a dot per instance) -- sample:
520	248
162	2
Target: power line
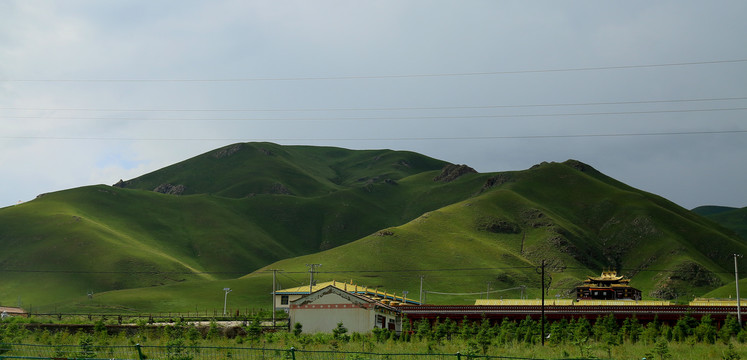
419	270
290	278
383	108
349	271
146	272
385	118
368	77
474	293
444	138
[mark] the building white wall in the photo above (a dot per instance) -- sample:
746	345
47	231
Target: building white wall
325	320
323	310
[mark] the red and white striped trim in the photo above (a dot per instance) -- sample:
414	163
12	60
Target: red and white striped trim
332	306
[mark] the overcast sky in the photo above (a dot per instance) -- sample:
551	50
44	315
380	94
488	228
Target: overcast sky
652	93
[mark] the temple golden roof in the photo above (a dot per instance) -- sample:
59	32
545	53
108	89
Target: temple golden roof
608	276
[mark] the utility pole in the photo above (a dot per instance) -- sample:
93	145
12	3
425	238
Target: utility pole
421	290
274	290
736	276
487	293
543	302
542	319
311	275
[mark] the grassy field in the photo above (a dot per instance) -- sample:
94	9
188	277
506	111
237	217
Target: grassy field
585	342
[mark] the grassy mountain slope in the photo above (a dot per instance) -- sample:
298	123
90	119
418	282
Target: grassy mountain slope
707	210
102	238
578	223
731	218
498	228
729	290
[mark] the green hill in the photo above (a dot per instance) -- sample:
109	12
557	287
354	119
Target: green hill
380	217
731	218
249	169
729	290
574	218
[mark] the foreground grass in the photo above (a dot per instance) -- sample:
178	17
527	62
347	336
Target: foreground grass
592	350
188	336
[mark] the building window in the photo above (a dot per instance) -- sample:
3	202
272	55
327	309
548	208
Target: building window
284	300
381	321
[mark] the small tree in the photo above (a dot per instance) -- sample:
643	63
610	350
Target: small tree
254	330
176	350
706	331
466	330
604	326
86	347
507	331
661	350
729	329
581	329
528	331
213	331
340	332
484	335
423	329
438	331
406	329
452	328
631	329
731	353
681	330
609	341
558	331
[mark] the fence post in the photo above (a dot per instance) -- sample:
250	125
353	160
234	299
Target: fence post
459	356
139	352
293	353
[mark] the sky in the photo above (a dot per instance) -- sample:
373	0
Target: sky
653	94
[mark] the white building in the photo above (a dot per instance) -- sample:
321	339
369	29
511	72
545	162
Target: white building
323	309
